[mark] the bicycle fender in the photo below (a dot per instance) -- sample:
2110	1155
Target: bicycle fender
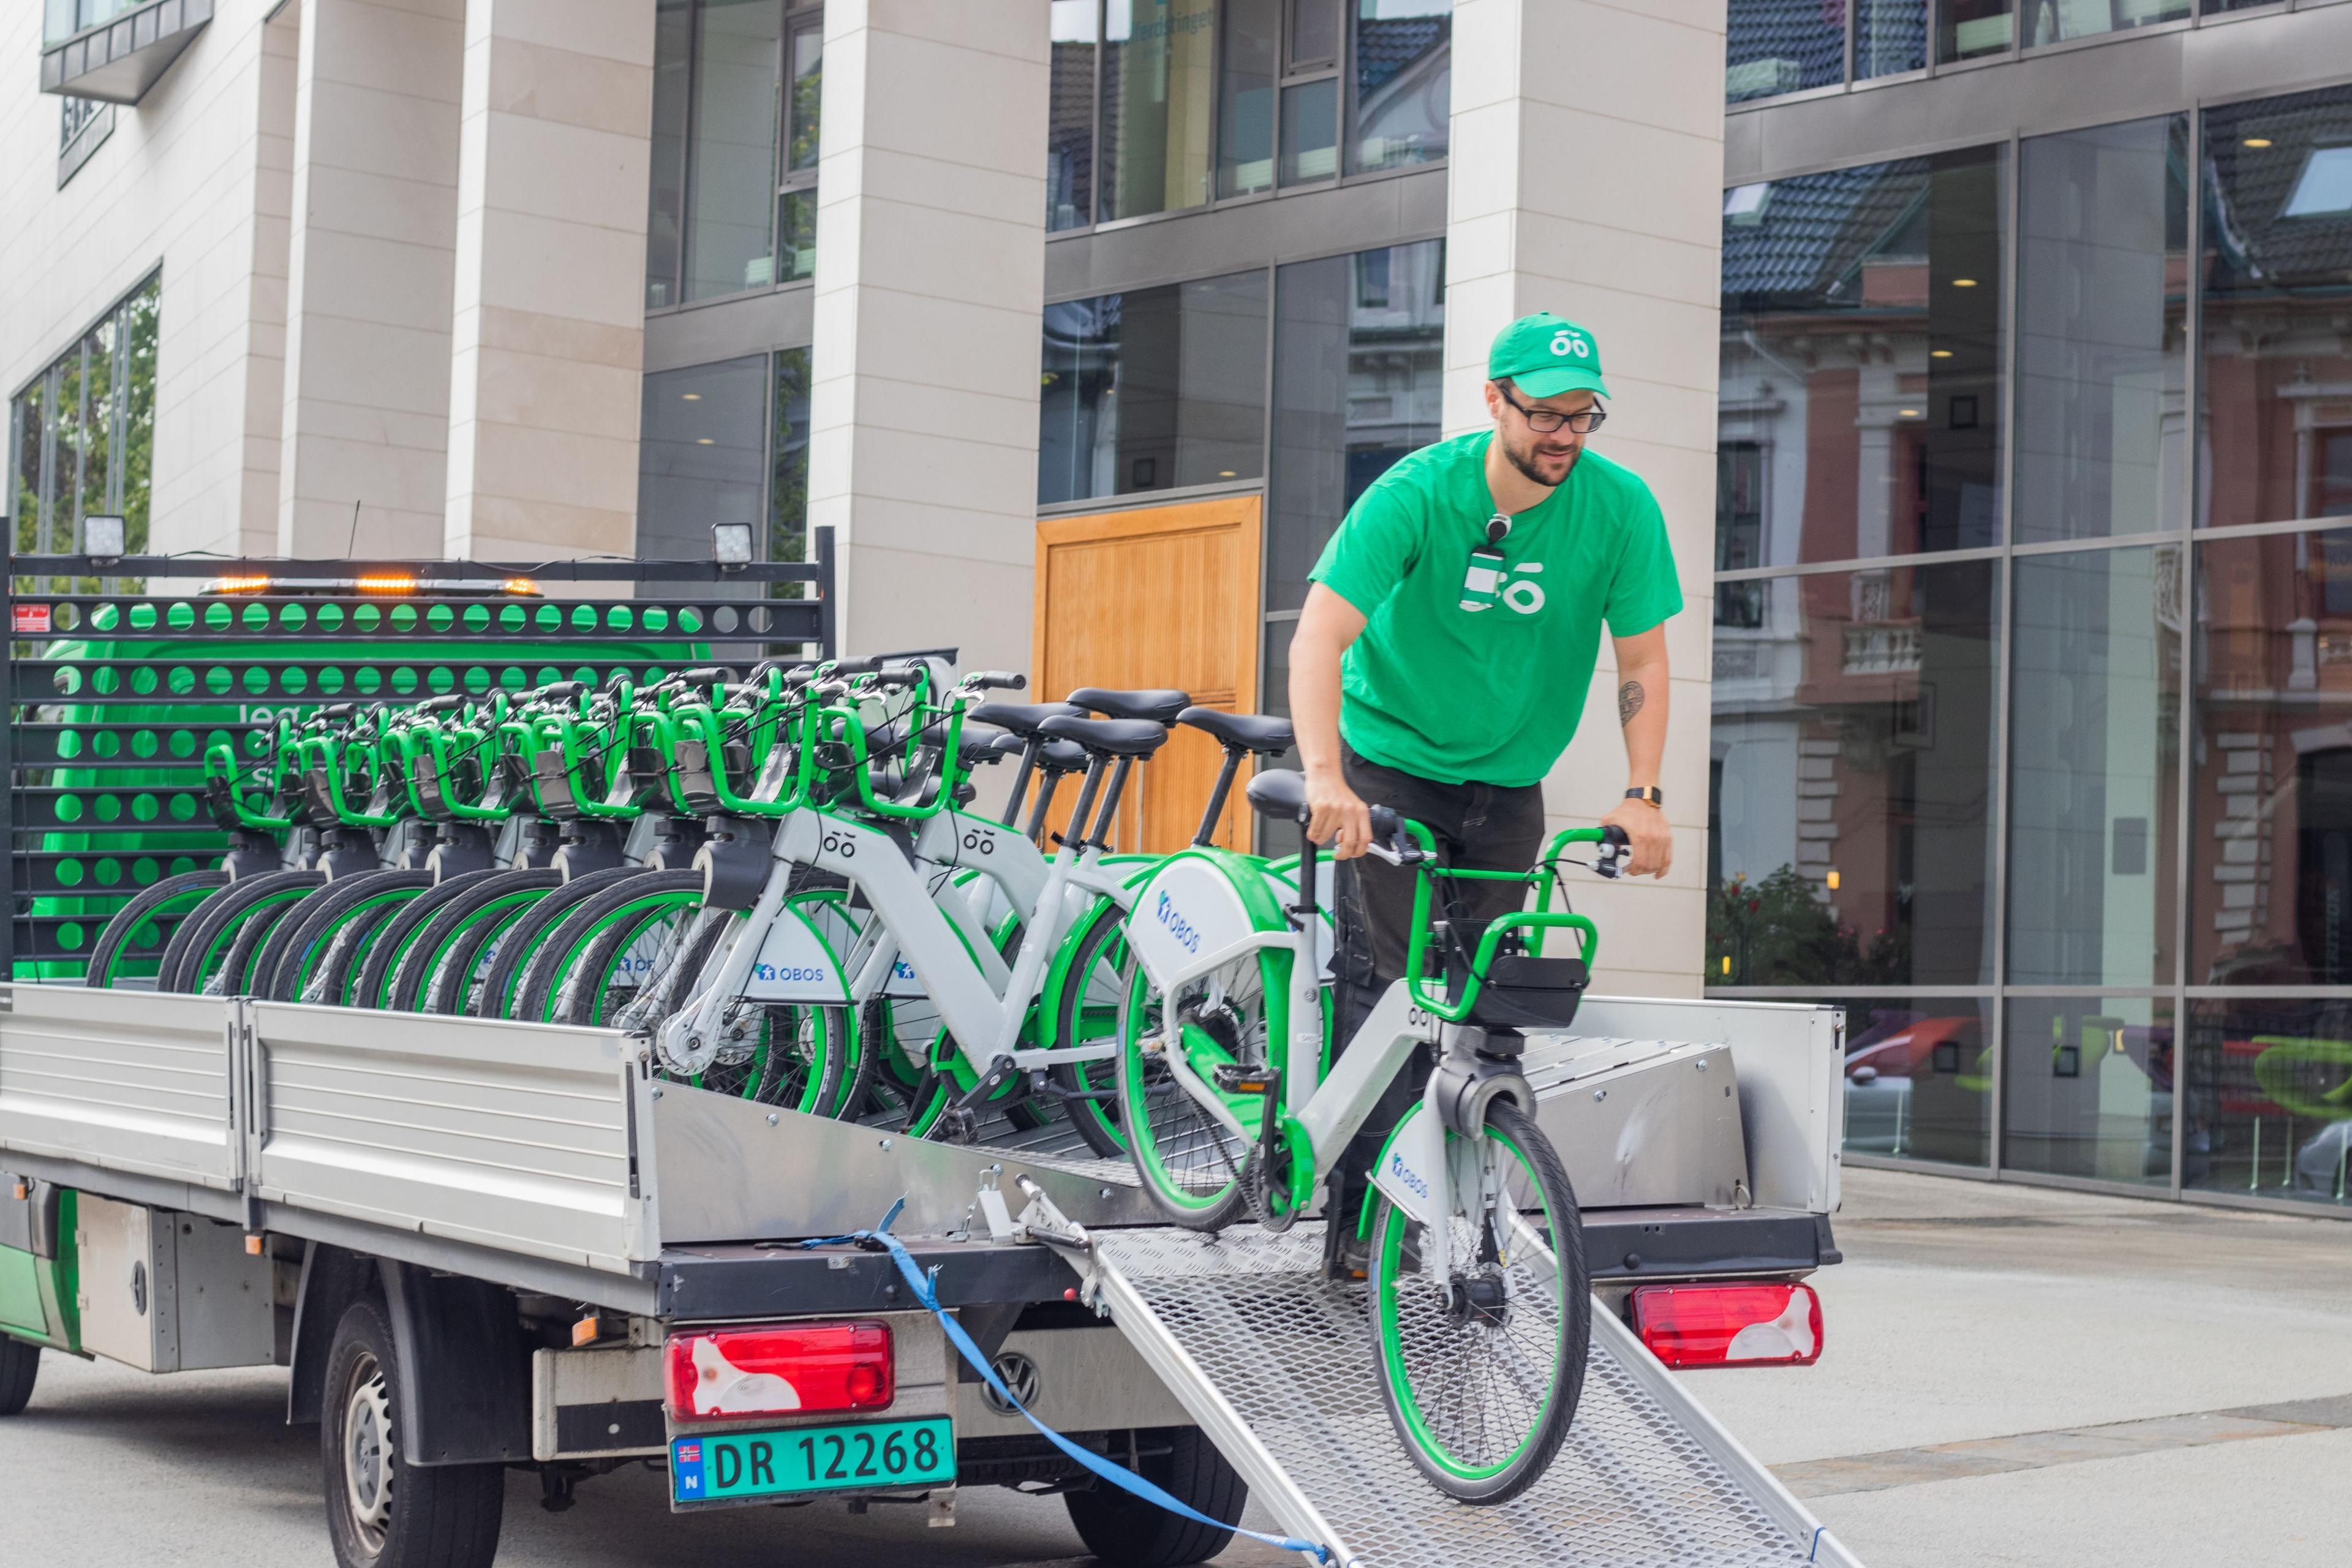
1411	1162
796	965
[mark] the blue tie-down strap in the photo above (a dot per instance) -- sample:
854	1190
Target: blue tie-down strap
1116	1474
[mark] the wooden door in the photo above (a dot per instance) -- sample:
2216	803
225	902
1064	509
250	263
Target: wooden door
1163	596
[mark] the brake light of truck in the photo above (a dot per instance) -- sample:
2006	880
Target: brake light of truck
726	1374
1737	1324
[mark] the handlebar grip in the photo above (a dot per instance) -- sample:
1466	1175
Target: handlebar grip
1387	826
997	680
856	666
443	703
1609	855
554	691
705	675
899	676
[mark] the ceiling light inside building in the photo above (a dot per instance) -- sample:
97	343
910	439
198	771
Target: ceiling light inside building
690	397
2324	189
1964	282
1940	353
1908	412
2257	142
705	441
1224	473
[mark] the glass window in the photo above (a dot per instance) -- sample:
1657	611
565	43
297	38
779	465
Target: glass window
1918	1077
2096	716
2270	881
2056	21
1359	359
1889	35
673	99
2086	1088
702	456
731	165
1310	130
2278	246
2268	1109
2102	308
1853	780
1070	124
1973	28
1253	63
1153	389
1862	326
796	191
1401	99
1774	46
788	440
85	433
1158	87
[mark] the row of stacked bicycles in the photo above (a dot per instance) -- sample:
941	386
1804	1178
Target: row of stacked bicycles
781	878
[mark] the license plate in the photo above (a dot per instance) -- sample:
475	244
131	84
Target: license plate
716	1466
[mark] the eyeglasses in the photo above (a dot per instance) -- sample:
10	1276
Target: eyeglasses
1544	421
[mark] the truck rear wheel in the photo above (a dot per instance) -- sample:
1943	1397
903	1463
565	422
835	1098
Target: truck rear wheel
20	1364
1120	1527
381	1513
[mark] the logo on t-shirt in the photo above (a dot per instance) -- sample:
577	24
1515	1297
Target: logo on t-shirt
1490	581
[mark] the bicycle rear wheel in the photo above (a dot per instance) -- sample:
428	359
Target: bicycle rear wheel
1481	1370
203	946
437	970
1192	1164
1087	1012
519	943
379	961
297	945
133	939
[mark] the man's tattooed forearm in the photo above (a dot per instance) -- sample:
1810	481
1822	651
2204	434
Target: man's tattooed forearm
1629	701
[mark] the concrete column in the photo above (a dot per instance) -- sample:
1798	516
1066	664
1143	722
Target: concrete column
549	328
929	284
1587	178
370	254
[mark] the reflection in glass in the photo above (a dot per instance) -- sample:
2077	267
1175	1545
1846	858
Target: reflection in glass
1889	35
788	467
731	165
1153	389
1850	791
702	455
2270	877
2275	438
1973	28
1070	125
2056	21
2096	711
796	201
1861	353
1918	1077
1783	45
1253	60
1310	130
85	433
2086	1087
2103	269
1359	356
2270	1099
1401	98
1159	88
666	211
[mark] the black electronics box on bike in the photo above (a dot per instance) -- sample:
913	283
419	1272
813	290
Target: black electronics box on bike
1520	992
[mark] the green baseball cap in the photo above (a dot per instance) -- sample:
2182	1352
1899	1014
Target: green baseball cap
1543	356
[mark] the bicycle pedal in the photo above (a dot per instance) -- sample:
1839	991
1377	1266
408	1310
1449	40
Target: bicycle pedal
1239	1077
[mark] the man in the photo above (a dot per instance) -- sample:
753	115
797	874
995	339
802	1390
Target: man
1441	663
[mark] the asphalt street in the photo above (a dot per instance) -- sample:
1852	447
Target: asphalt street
2011	1376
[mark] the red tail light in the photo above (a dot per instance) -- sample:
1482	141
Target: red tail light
727	1375
1747	1324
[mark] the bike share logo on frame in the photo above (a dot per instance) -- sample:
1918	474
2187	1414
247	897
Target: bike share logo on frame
1177	926
774	974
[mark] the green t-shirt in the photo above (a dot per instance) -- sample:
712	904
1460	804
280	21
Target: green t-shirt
1481	678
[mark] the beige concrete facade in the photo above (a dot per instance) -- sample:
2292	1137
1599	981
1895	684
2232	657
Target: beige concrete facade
929	296
548	345
1591	189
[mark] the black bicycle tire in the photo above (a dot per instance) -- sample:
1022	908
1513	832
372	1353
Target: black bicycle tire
203	925
538	983
418	986
376	963
240	969
130	916
520	941
277	968
1105	927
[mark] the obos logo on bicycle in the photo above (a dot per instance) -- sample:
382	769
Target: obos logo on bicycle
1407	1174
1177	926
773	974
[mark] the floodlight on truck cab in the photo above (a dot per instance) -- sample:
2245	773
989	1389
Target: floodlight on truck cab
379	584
725	1374
1743	1322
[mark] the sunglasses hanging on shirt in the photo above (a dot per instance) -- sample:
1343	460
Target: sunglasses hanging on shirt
1484	575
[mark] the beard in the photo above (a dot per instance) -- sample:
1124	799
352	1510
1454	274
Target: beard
1526	462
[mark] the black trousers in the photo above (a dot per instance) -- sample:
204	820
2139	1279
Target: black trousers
1479	827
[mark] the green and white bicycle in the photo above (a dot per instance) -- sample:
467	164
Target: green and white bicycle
1479	1295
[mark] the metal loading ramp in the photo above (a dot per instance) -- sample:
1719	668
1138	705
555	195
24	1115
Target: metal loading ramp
1277	1364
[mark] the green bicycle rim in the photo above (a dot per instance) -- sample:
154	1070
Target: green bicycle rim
1143	1147
308	963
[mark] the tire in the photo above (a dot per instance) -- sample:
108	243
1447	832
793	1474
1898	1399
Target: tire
444	953
1531	1359
298	943
1192	1165
368	972
240	973
196	949
1081	1015
20	1366
596	934
382	1513
115	946
1120	1527
520	943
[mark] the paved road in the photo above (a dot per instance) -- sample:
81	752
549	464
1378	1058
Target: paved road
2003	1375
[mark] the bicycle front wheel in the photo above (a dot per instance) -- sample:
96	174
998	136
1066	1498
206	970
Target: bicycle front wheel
1482	1354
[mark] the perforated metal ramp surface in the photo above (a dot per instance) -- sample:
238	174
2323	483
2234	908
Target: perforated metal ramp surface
1639	1481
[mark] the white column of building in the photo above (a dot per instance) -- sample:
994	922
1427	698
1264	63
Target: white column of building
549	334
1587	179
930	285
370	254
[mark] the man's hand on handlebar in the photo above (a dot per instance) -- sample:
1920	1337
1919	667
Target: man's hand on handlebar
1644	826
1338	817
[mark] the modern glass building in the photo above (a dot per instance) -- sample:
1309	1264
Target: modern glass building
2032	659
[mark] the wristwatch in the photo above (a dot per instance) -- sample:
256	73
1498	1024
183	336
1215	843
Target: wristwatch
1650	793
